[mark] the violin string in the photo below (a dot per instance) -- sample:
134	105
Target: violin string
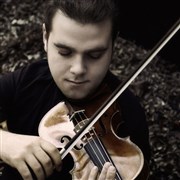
77	122
101	159
95	153
107	155
97	146
91	137
103	148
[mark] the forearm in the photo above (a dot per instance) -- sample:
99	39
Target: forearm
4	136
24	151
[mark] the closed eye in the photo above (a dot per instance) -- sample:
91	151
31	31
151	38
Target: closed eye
64	52
96	54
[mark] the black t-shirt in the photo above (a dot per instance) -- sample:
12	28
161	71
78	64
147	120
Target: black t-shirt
28	93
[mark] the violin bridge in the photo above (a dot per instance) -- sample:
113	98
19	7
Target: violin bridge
79	120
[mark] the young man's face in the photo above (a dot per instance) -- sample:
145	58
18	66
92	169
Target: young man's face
78	54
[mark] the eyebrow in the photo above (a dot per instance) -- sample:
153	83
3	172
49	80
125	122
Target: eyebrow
59	45
96	49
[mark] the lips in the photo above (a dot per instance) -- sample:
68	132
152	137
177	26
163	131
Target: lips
76	82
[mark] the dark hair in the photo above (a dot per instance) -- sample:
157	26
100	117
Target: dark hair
83	11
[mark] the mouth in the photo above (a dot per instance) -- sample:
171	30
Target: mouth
76	82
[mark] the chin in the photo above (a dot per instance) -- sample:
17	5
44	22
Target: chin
76	96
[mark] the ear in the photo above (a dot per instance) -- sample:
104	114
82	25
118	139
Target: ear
45	37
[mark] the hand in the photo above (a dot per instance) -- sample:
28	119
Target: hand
108	172
22	152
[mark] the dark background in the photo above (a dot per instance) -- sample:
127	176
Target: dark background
146	23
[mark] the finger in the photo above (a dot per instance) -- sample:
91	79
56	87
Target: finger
94	173
45	161
53	153
35	166
24	171
104	171
111	173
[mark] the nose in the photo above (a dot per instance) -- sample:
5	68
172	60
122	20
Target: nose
78	66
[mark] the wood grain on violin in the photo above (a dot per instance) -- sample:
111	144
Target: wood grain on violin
98	146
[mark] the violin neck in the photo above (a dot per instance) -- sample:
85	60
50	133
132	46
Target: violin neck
93	145
99	155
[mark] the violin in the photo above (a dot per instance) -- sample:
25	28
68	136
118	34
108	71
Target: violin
88	133
100	144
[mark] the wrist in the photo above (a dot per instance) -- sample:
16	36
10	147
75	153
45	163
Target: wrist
4	135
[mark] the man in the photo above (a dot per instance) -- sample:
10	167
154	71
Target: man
78	37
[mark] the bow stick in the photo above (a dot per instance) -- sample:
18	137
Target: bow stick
120	89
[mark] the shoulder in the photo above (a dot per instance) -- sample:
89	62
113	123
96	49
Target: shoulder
127	98
38	66
131	108
36	70
23	79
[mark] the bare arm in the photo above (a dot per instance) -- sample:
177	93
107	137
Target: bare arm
22	152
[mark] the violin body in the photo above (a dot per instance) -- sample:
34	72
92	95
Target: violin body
57	128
